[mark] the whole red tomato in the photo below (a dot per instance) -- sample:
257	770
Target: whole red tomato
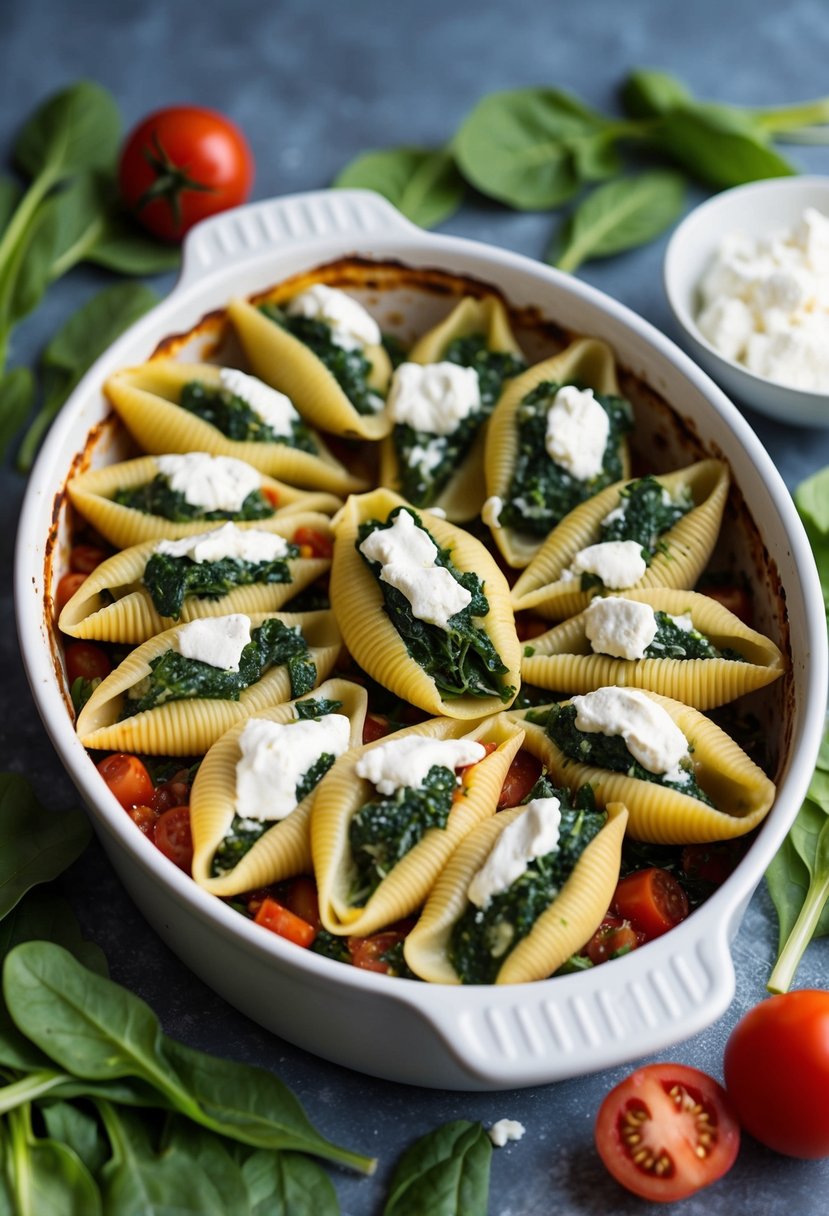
776	1070
182	164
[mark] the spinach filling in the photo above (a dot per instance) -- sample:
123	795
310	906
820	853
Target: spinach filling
427	461
243	833
483	937
350	368
671	641
169	580
462	659
237	419
157	497
173	677
383	831
541	492
610	752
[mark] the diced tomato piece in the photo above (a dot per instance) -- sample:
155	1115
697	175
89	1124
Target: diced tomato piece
613	938
282	921
270	495
175	792
172	837
375	726
145	819
84	558
66	588
317	543
735	599
521	776
300	897
652	900
369	952
86	661
128	779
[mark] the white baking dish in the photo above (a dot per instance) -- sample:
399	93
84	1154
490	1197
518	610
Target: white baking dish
465	1038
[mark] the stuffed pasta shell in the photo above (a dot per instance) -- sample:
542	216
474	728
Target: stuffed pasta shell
683	780
250	805
324	351
439	401
557	437
148	588
388	816
655	531
522	893
177	494
197	407
423	608
678	643
177	693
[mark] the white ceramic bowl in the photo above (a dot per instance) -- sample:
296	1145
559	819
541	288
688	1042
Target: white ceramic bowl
756	209
463	1038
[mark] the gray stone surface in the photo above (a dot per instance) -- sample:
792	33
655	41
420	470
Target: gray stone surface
312	84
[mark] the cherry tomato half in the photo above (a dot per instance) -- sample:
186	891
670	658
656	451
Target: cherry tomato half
369	952
375	726
521	776
66	588
182	164
614	938
316	542
83	559
666	1131
284	923
173	838
128	779
175	792
652	900
86	661
777	1072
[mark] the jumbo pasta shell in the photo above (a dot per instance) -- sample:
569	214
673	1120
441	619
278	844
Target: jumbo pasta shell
91	494
131	616
682	556
558	933
586	361
284	362
147	400
285	848
341	793
189	727
563	659
741	792
371	637
463	495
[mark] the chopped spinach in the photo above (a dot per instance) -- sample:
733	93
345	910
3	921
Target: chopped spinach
312	598
646	510
542	492
483	937
394	348
462	659
610	752
173	677
331	945
350	368
241	836
671	641
157	497
395	960
386	828
238	420
314	775
170	580
81	690
316	707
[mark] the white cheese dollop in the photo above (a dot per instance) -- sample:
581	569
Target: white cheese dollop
621	628
618	563
218	641
650	733
274	408
505	1130
275	756
577	431
533	834
213	483
491	511
433	397
407	558
352	327
240	544
406	762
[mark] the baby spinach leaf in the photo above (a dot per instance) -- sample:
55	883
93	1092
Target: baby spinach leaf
445	1173
48	1178
717	144
620	215
35	845
17	393
121	247
646	93
421	183
77	1129
287	1184
208	1155
10	194
77	128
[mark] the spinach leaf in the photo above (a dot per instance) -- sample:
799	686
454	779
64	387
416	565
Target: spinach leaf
798	882
17	394
316	707
619	215
207	1154
422	183
287	1184
717	144
48	1178
647	93
444	1173
35	844
78	1130
77	128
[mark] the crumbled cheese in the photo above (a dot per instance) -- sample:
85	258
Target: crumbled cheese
218	641
618	563
239	544
352	327
406	762
406	554
765	303
275	756
274	408
577	432
533	834
434	397
650	733
618	627
504	1130
684	622
213	483
427	456
491	512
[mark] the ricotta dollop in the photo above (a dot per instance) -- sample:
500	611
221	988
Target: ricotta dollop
217	641
505	1130
239	544
618	563
407	554
352	327
649	732
577	432
533	834
406	762
275	756
621	628
433	397
274	408
212	483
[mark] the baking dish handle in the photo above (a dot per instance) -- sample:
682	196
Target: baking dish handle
262	228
